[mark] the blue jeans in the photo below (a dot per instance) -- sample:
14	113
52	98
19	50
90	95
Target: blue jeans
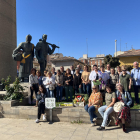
136	93
59	91
86	88
77	89
51	93
91	111
47	93
105	114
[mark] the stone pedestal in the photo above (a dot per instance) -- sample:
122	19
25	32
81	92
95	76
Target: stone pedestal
7	38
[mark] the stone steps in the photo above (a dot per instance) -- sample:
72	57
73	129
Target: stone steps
11	109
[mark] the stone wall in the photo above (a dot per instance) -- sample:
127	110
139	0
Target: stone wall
11	109
7	38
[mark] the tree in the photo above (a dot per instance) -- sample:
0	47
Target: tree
113	61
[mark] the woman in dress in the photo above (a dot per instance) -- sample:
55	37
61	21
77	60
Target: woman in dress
77	82
95	101
124	115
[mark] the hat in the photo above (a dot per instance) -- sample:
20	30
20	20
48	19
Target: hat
118	106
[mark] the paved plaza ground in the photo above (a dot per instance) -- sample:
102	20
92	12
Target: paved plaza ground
20	129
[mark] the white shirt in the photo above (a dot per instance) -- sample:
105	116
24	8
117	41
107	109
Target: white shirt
93	75
47	80
108	71
33	80
53	76
105	77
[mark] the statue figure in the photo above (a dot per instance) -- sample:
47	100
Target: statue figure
42	50
25	54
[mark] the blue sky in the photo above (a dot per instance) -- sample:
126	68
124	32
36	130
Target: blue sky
69	22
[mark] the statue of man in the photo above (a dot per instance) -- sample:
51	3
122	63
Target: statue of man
42	50
25	54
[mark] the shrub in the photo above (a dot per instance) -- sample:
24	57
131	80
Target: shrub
14	92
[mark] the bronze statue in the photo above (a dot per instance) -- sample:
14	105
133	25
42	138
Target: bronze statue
25	54
42	49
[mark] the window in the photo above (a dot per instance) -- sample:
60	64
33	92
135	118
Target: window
102	61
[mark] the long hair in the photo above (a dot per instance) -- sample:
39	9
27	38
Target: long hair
44	89
39	72
68	74
86	67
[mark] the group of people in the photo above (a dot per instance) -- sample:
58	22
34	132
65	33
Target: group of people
117	89
96	105
66	83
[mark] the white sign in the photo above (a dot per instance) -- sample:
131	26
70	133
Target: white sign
50	103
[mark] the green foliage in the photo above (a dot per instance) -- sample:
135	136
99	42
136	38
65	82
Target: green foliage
129	67
14	92
86	97
6	81
113	61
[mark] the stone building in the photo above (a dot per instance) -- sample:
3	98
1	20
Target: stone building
98	60
8	40
49	64
66	62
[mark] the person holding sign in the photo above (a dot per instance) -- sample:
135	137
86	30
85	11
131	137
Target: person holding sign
40	103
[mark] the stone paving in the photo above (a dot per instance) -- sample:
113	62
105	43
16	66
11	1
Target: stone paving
20	129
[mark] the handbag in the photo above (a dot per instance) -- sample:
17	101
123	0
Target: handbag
52	88
102	86
118	106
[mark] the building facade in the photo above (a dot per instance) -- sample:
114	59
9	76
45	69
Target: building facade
129	57
98	60
66	62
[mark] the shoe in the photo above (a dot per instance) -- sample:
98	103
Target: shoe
108	122
101	128
135	104
95	119
44	117
92	124
123	127
37	121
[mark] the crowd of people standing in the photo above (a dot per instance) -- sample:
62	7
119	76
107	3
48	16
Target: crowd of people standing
115	85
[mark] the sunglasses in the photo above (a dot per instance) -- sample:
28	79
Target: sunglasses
123	70
93	88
